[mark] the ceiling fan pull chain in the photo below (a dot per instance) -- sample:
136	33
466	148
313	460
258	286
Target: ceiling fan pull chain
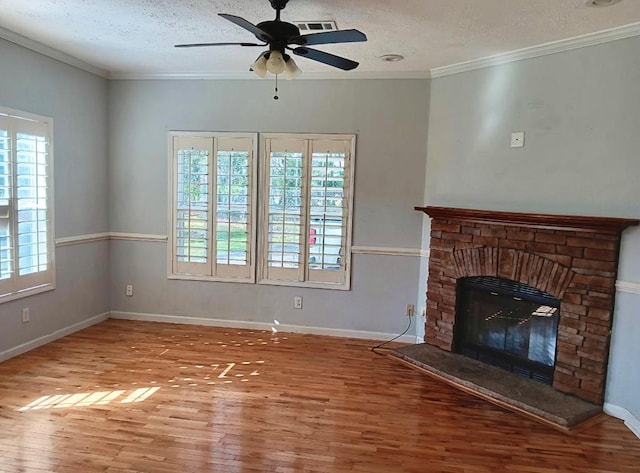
275	97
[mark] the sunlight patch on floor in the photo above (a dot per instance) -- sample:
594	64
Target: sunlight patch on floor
99	398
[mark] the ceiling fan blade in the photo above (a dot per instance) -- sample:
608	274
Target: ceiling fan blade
328	37
242	23
326	58
197	45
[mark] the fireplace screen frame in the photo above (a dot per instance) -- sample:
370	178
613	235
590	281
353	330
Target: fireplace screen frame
468	330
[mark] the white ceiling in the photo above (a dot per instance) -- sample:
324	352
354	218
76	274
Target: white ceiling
135	38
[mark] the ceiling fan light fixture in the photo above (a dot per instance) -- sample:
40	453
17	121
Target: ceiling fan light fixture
260	66
275	63
291	69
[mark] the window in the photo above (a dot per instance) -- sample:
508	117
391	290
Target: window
306	197
26	205
212	185
305	229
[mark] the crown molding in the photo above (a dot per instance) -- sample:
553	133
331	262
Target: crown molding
545	49
553	47
250	76
52	53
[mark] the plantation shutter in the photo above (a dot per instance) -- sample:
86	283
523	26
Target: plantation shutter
6	198
234	228
213	201
26	239
193	206
285	211
328	210
306	210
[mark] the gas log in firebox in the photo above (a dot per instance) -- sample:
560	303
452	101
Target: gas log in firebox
530	293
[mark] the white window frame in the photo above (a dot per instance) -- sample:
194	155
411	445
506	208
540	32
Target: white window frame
242	273
18	286
303	277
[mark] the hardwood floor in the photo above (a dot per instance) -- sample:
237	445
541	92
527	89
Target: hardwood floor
127	396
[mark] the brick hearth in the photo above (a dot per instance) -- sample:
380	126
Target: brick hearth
573	258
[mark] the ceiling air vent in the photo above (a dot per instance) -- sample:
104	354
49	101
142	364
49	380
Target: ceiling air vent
316	26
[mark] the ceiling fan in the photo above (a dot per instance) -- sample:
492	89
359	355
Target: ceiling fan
280	36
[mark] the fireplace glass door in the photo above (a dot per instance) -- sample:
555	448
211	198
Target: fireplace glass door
509	325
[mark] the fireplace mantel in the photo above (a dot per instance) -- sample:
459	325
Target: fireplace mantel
557	222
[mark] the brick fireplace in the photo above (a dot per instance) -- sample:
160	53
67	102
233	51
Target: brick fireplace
572	258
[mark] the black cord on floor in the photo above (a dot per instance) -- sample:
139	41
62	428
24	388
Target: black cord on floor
377	348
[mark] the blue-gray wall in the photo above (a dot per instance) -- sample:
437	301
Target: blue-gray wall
580	111
77	102
389	118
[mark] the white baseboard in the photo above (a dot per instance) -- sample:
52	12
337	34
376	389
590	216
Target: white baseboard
173	319
38	342
621	413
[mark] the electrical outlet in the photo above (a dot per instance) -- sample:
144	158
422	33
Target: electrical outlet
409	310
297	302
25	315
129	291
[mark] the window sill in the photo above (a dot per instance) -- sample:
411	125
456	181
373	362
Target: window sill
195	277
27	292
308	284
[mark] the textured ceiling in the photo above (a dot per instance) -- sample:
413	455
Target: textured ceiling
136	37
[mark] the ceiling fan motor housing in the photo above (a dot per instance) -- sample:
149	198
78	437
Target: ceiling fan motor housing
280	33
